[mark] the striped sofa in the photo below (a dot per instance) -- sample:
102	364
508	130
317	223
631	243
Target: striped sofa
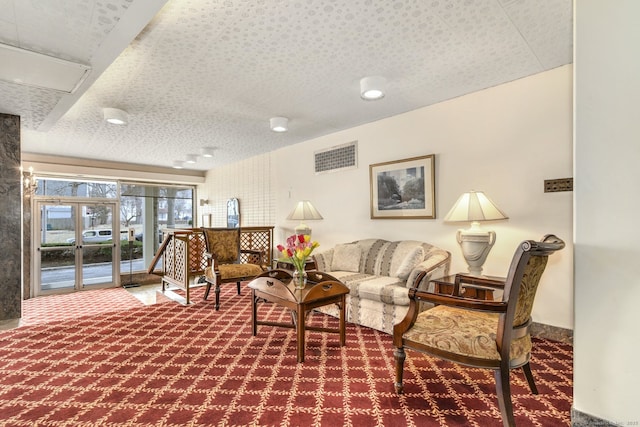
379	274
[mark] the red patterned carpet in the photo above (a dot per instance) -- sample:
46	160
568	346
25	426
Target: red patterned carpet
170	365
52	308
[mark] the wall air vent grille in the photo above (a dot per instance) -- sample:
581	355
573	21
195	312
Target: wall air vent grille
341	157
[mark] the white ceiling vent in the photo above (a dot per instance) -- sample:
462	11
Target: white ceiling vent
340	157
25	67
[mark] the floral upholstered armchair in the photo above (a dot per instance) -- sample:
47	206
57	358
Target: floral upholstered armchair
482	334
223	255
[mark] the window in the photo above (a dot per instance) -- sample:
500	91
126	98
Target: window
76	188
149	209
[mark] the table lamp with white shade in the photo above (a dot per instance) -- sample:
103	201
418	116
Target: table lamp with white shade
304	211
475	242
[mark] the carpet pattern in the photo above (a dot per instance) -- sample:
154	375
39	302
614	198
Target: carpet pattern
171	365
54	308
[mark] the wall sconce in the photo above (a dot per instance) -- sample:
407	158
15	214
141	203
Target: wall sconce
191	158
30	183
204	202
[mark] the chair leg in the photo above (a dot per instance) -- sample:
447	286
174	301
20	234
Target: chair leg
206	291
400	356
527	373
217	292
503	390
238	285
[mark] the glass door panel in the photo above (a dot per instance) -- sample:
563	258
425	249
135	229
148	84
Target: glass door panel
97	255
76	247
57	247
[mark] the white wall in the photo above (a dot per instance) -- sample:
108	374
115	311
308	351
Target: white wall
607	150
504	140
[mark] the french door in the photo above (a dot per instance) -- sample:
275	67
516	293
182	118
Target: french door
76	246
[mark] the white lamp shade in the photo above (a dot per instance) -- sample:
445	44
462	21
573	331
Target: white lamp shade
474	206
303	211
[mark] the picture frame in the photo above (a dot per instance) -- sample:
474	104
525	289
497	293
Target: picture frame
403	189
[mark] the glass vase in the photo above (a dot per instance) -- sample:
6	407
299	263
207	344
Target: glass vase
299	278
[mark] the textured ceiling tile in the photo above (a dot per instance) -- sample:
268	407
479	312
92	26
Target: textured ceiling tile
544	27
73	29
212	73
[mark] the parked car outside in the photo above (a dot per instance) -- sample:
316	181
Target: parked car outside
93	236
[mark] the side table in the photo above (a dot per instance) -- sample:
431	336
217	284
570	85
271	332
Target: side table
322	289
477	287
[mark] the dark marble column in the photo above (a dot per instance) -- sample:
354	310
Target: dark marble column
10	218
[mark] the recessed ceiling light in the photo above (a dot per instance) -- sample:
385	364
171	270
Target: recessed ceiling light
115	116
372	88
191	158
279	124
178	164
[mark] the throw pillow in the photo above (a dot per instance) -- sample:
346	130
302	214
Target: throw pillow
346	257
409	262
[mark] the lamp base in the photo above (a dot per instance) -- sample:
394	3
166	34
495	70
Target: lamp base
476	245
303	229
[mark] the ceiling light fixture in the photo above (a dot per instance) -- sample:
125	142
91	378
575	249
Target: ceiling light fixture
191	158
206	152
178	164
372	88
279	124
115	116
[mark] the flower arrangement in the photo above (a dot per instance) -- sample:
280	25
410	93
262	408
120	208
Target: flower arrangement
298	248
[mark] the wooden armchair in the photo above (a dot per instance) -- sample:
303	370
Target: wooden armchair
223	255
481	334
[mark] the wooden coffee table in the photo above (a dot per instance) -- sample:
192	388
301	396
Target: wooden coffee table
322	289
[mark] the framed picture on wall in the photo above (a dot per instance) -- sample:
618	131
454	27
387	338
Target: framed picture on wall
403	189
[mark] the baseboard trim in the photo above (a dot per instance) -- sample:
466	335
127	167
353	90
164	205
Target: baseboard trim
553	333
580	419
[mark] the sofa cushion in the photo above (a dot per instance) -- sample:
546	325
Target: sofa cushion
413	258
346	257
387	258
385	289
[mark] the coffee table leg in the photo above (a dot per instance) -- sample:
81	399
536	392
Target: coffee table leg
300	330
343	339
